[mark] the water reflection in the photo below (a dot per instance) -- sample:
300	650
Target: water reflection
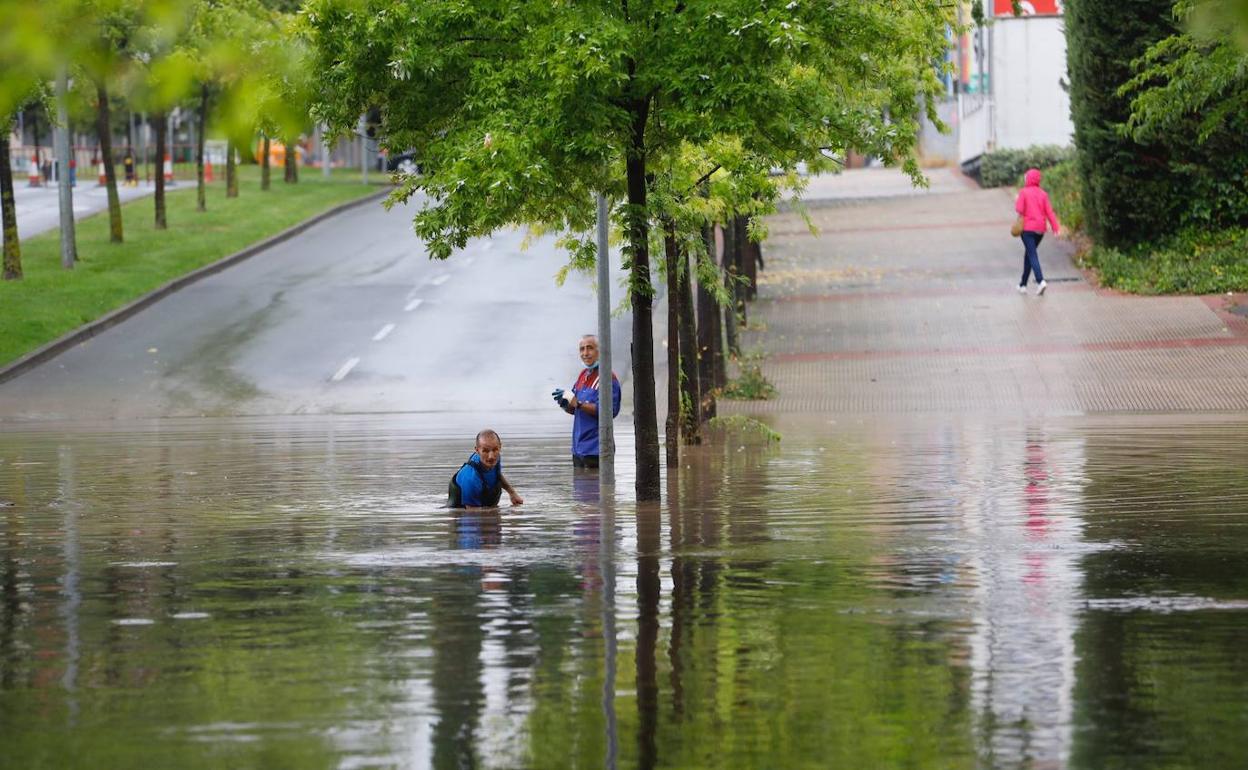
959	595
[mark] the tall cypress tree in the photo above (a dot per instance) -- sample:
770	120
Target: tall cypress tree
1127	186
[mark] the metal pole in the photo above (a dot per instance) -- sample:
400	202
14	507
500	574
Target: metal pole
606	434
325	151
364	148
69	244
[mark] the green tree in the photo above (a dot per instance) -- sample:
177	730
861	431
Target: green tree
1190	96
1128	194
522	110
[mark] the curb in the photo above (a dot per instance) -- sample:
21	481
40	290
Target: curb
114	317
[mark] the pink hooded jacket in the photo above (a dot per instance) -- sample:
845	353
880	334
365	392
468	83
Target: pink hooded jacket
1033	205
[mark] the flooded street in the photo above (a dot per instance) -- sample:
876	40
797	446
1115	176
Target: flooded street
287	592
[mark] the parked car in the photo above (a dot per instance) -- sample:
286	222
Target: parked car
404	163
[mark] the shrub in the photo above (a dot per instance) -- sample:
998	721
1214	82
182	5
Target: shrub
1193	261
1005	167
1065	190
1129	193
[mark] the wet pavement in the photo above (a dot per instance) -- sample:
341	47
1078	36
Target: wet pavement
903	581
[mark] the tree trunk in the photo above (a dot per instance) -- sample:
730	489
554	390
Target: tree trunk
160	122
711	373
266	165
645	416
753	256
201	192
730	284
231	170
291	162
105	128
8	210
671	433
690	385
64	156
740	244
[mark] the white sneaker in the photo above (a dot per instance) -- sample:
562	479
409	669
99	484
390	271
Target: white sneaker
1022	289
1040	289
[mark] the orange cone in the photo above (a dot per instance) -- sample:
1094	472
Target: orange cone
168	168
103	176
35	179
207	170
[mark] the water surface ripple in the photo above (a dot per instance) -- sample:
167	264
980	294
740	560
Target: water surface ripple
289	593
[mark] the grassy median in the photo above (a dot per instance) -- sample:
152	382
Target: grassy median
50	301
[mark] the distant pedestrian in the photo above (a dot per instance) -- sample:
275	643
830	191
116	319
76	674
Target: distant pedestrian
581	401
480	483
128	163
1037	214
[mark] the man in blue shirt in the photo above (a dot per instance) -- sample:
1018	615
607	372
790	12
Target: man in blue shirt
581	401
479	483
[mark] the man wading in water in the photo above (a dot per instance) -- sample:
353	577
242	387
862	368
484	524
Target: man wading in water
479	483
581	401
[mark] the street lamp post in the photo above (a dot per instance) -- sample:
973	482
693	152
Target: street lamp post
606	434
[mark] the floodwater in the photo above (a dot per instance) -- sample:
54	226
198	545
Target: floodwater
287	593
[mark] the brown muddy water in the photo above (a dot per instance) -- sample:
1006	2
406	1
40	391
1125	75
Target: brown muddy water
287	593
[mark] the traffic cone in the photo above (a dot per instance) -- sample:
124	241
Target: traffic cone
207	170
168	169
35	179
103	176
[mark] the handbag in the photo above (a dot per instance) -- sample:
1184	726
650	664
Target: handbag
1016	229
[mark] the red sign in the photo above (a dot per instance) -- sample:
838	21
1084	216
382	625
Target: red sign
1028	7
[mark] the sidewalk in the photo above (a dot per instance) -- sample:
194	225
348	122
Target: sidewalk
39	208
908	304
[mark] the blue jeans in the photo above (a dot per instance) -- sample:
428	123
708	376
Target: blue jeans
1031	258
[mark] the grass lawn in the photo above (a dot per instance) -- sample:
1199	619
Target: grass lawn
50	301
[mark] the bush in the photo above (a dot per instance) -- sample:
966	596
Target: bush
1065	190
1005	167
1193	261
1129	193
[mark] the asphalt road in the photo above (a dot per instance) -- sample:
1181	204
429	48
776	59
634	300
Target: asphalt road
351	316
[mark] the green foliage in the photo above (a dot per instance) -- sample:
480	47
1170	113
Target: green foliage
1065	188
1190	96
1005	167
750	384
1192	261
741	426
1129	190
521	111
50	301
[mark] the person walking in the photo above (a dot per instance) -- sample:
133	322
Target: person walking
1034	209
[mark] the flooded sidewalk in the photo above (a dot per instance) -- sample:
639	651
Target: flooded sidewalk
909	305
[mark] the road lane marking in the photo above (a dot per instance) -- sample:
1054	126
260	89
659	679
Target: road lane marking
345	370
441	279
381	335
409	307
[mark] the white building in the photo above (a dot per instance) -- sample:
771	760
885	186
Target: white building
1013	87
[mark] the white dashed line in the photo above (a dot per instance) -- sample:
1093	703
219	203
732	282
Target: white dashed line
441	279
381	335
345	370
409	307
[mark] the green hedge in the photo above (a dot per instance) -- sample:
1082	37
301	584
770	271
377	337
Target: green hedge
1130	194
1065	188
1194	261
1005	167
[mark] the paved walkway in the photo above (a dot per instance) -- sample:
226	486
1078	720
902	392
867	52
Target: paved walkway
39	208
908	304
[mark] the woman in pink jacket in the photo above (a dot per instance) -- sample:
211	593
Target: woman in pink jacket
1033	206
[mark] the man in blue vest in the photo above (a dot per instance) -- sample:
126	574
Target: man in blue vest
581	401
479	483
